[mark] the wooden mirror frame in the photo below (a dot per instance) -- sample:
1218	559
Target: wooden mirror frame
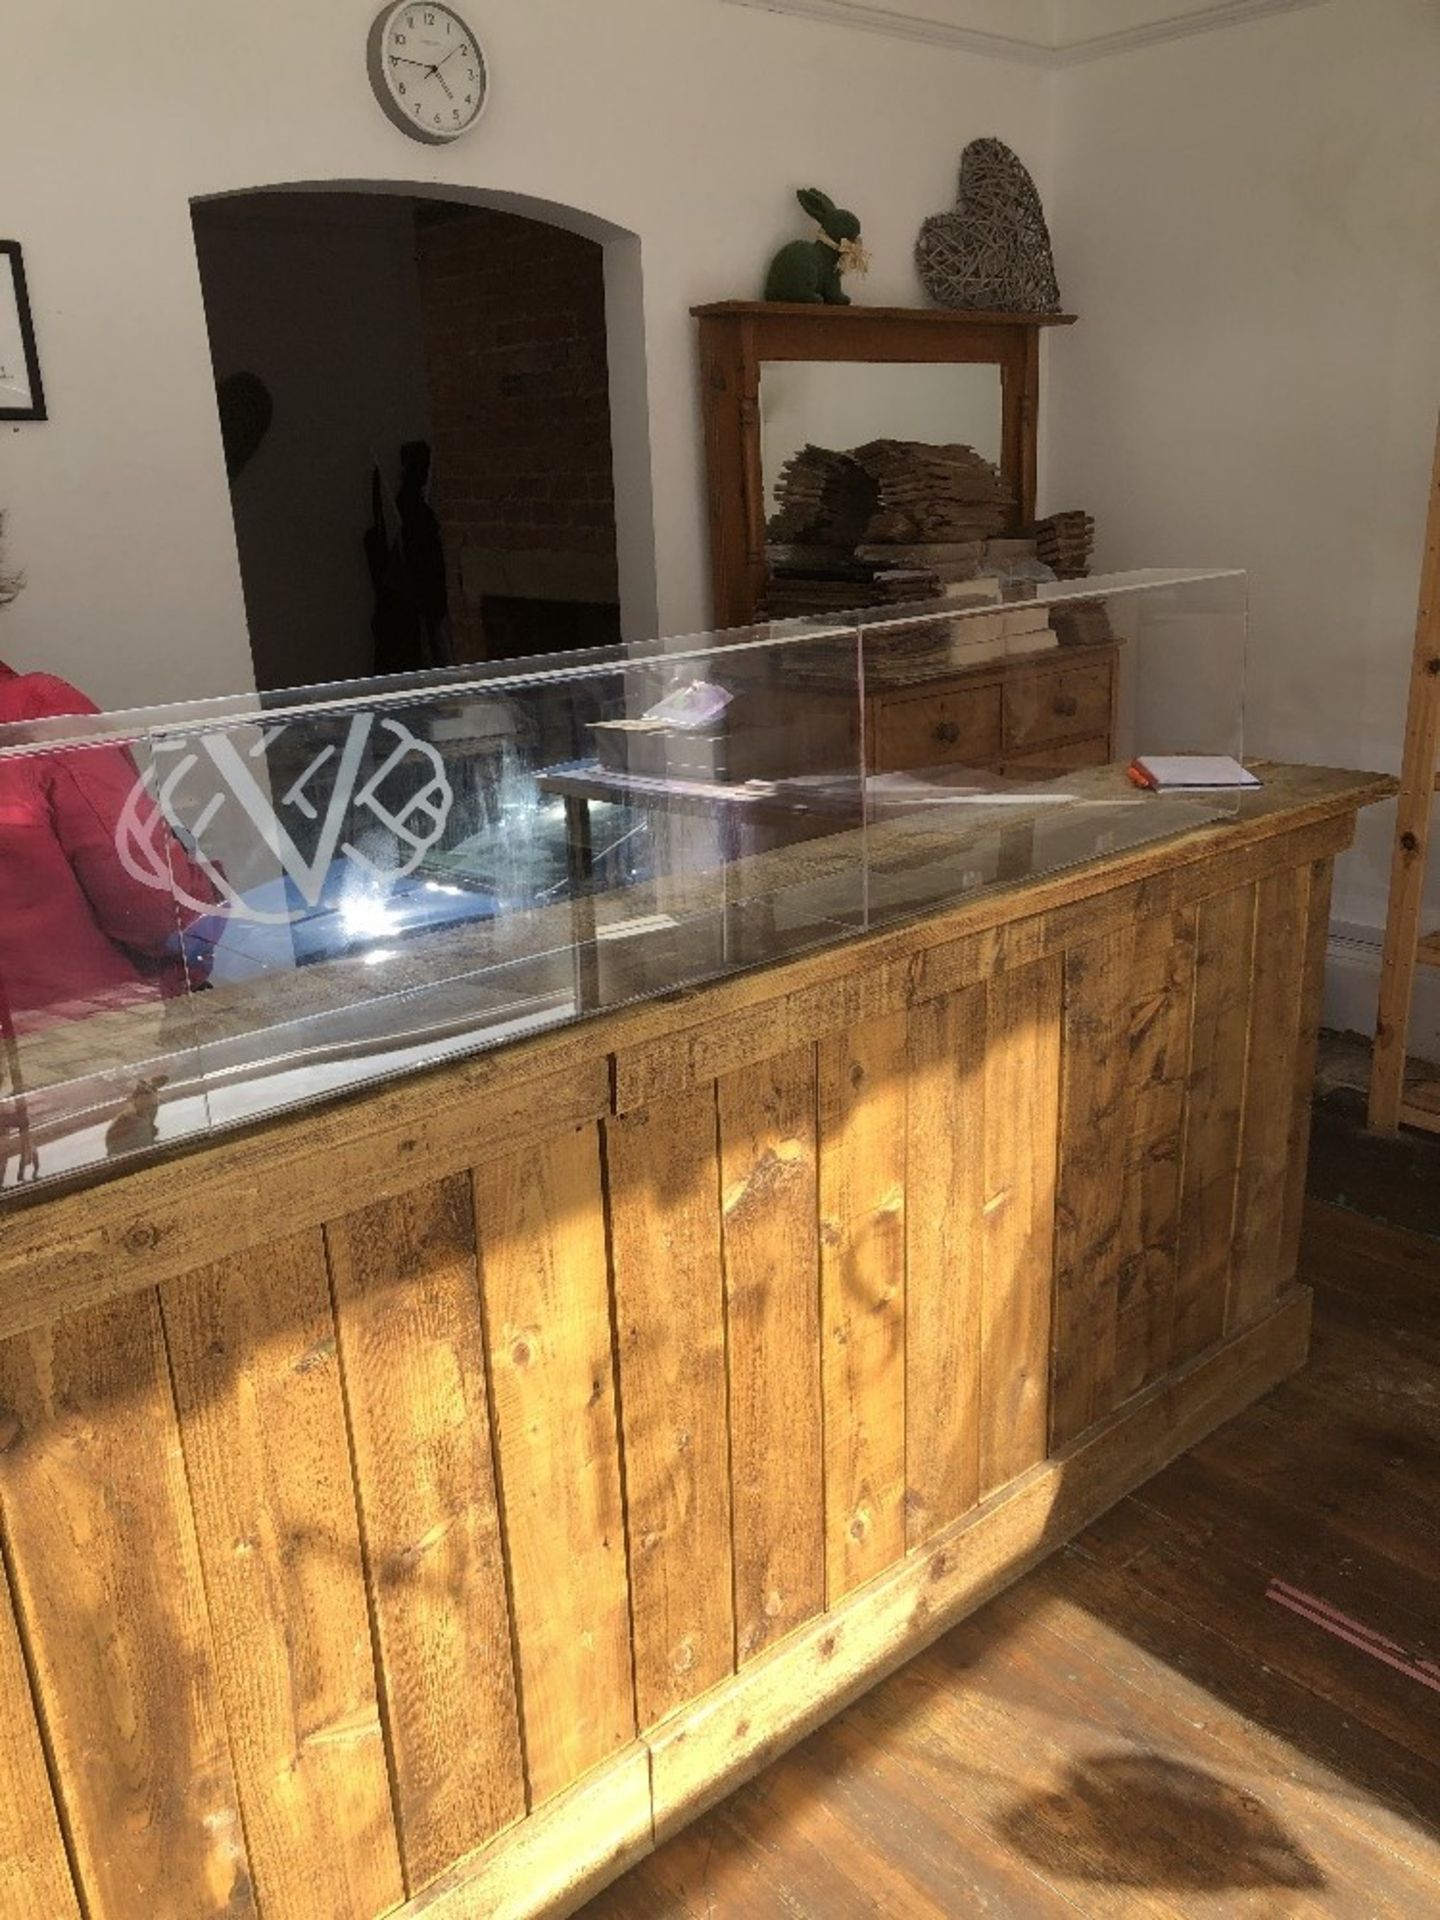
738	336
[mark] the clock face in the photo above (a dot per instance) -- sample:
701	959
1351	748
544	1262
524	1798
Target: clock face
427	71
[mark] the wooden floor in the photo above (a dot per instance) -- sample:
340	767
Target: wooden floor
1223	1699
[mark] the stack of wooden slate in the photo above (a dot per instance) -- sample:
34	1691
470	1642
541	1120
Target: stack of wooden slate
932	494
1064	542
839	590
881	525
1082	623
825	500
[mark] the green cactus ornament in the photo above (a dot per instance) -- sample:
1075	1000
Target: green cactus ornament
809	271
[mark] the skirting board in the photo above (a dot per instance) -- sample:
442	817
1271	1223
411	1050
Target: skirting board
566	1851
1352	989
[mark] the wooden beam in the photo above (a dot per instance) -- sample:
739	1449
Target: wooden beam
857	317
554	1861
1418	783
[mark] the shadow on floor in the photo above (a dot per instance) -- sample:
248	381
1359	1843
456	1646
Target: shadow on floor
1235	1841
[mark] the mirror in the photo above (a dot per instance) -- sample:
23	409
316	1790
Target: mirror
916	388
842	404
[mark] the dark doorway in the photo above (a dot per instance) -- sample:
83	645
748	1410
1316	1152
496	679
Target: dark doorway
346	326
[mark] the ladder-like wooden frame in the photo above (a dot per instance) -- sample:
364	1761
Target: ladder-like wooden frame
1406	947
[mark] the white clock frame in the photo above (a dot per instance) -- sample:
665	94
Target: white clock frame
377	53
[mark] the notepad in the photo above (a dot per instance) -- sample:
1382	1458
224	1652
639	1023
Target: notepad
1165	771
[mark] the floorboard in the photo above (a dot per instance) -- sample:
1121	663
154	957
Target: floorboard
1222	1699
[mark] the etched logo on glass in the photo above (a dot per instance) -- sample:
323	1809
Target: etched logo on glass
329	794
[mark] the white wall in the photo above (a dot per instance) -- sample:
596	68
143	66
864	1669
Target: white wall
319	295
685	122
1248	223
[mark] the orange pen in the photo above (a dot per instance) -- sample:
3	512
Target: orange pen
1138	777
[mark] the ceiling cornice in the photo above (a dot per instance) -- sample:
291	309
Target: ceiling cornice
911	20
1213	18
903	23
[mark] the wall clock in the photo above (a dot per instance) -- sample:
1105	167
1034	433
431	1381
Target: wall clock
427	71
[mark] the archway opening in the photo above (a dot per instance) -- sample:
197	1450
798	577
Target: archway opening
418	394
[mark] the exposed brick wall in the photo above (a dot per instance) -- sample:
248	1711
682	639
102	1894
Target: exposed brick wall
515	348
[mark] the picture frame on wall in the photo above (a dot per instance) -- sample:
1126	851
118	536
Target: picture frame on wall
22	397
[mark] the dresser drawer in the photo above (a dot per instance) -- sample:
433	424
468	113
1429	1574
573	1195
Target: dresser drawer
1062	703
958	728
1050	762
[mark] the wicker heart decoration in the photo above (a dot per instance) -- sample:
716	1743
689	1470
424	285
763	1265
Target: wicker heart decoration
993	251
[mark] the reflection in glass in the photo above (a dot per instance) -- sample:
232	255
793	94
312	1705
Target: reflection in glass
292	897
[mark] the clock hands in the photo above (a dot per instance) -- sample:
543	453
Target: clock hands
430	66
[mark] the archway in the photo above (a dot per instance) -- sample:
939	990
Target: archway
503	331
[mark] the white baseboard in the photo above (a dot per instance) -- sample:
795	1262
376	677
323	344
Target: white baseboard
1352	989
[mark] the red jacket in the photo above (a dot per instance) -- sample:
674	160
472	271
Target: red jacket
78	933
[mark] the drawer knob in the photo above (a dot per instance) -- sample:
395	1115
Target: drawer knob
947	733
1066	705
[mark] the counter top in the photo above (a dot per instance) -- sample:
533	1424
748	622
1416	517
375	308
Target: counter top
601	1062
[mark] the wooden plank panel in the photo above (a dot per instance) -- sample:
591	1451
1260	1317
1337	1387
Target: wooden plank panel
257	1383
1307	1044
1162	996
683	1062
1091	1180
670	1317
1022	1114
546	1301
862	1105
34	1873
107	1579
407	1306
284	1175
1219	1037
1275	1015
770	1239
552	1862
945	1148
714	1745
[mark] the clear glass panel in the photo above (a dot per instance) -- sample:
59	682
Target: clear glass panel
97	1047
406	877
1005	722
214	912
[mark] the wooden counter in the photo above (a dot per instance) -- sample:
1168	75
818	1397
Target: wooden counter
425	1502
